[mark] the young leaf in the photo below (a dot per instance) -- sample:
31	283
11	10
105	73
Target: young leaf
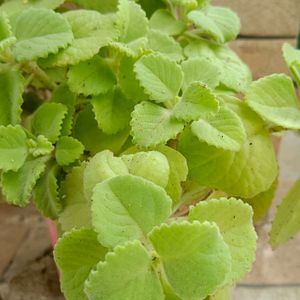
292	59
68	150
197	101
234	218
47	120
159	76
6	35
91	30
151	165
201	69
125	208
13	148
11	90
286	221
162	43
17	186
188	4
224	130
164	21
91	77
112	111
195	258
274	98
76	212
52	33
153	125
45	195
219	23
102	166
76	254
40	146
126	274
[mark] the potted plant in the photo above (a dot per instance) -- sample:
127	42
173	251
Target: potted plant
136	128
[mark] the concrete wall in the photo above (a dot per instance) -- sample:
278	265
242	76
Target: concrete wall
266	25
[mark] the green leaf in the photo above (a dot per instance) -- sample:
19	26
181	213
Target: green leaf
52	33
128	82
234	219
112	111
76	212
164	21
159	76
99	5
11	89
224	130
91	30
286	223
195	258
102	166
218	23
13	148
92	77
126	274
125	208
292	59
245	173
76	254
68	150
40	146
274	98
94	140
151	165
162	43
153	125
48	119
45	195
262	202
17	186
6	35
222	294
178	171
197	101
201	69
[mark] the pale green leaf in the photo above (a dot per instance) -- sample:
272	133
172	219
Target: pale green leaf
151	165
159	76
245	173
201	69
197	101
164	21
153	125
195	258
48	119
91	77
40	32
45	194
125	208
292	59
222	294
126	274
40	146
224	130
286	223
102	166
76	211
99	5
17	186
13	148
128	82
11	89
76	254
68	150
133	49
162	43
234	219
6	35
274	98
91	31
112	111
218	23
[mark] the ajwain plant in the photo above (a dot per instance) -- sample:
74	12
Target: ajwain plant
136	128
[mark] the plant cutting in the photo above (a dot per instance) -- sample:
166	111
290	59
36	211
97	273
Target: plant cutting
136	128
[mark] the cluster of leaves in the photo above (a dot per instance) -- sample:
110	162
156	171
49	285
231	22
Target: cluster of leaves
117	115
